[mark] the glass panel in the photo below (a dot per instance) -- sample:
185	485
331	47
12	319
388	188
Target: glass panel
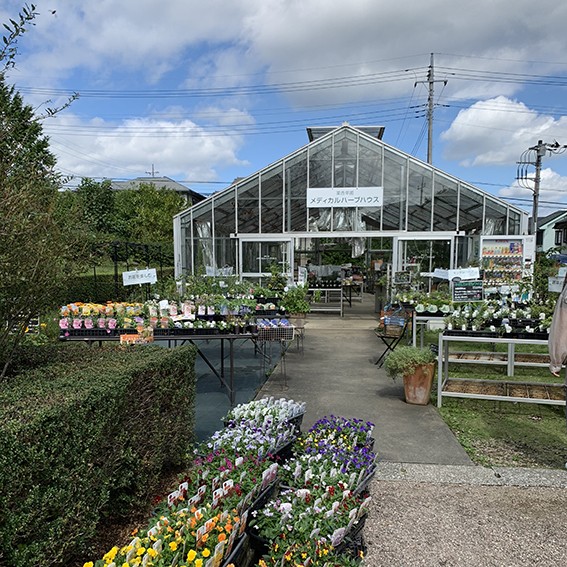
394	213
369	164
202	239
225	217
445	204
319	220
296	192
345	160
272	200
250	257
186	259
225	254
273	253
494	217
514	220
343	219
320	164
470	211
419	198
248	207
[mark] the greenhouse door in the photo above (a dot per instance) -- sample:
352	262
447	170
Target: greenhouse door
258	256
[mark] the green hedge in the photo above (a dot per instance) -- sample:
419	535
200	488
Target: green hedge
86	440
102	289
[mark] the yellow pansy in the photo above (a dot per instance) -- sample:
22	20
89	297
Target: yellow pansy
191	555
88	564
199	563
173	545
206	552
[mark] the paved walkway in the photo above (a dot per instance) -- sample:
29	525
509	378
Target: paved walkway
335	374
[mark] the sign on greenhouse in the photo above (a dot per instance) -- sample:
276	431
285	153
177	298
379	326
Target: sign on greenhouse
140	277
321	197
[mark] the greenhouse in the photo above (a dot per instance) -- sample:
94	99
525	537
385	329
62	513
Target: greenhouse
346	196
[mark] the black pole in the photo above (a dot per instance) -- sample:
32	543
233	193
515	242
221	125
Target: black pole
115	258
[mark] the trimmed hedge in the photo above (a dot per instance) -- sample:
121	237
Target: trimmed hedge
102	289
86	440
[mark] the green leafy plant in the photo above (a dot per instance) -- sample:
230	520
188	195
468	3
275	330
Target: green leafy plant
295	300
405	359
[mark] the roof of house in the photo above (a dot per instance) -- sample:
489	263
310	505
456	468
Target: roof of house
159	182
549	220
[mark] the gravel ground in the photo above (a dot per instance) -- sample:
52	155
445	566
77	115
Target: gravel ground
466	516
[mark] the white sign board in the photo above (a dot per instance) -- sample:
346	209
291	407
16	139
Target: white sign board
462	274
301	275
321	197
140	277
555	284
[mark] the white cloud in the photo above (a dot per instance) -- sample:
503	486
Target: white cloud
179	149
498	131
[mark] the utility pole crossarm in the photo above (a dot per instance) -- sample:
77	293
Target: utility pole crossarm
534	156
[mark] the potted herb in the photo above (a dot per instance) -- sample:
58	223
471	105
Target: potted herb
295	301
416	365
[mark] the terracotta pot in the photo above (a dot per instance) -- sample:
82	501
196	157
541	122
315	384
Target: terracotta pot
417	386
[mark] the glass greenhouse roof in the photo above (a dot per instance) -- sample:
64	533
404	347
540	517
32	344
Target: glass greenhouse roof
368	186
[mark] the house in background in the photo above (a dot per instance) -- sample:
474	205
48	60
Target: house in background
552	232
191	197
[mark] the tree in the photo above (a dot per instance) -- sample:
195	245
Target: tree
36	252
146	214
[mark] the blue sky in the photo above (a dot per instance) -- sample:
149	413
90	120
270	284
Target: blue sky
205	91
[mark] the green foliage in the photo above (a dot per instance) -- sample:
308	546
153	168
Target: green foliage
87	438
36	253
405	359
294	300
96	203
146	214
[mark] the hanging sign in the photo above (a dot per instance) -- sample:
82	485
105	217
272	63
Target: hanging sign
468	290
321	197
139	277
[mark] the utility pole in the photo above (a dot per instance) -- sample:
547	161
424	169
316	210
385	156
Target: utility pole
533	157
152	172
430	106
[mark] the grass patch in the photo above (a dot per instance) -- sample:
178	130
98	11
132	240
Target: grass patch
503	433
508	434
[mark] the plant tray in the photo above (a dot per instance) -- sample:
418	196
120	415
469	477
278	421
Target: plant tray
276	334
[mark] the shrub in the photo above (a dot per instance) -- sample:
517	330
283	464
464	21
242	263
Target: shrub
86	440
405	359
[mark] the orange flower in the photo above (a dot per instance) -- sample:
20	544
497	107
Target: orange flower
222	537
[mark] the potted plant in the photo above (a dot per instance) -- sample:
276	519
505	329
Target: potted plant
295	301
416	365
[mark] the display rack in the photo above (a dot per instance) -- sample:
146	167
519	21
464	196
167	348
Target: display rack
455	387
332	300
505	261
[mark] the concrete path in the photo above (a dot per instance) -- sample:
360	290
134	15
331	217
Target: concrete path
335	374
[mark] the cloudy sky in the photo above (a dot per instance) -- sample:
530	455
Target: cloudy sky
204	91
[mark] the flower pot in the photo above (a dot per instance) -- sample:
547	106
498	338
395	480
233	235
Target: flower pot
417	386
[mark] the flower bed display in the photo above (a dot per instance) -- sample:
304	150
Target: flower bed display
199	315
204	522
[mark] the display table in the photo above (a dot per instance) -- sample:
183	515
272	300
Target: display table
506	390
353	292
331	300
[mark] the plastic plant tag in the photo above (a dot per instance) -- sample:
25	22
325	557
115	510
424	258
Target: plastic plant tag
337	536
